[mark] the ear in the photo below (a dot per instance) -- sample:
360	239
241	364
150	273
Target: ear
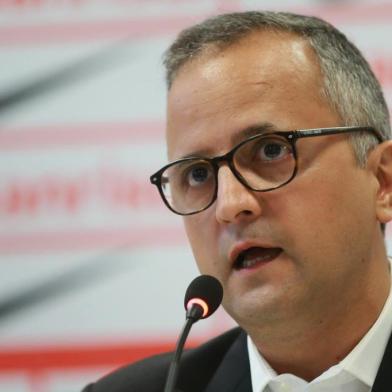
380	161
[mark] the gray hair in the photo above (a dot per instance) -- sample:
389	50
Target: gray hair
350	86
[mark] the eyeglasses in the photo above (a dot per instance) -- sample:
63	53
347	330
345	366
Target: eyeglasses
261	163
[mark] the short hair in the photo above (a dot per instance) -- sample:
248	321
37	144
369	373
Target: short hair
350	86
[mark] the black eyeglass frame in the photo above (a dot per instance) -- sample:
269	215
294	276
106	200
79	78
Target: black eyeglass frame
290	136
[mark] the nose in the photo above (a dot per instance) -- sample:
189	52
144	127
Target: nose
235	202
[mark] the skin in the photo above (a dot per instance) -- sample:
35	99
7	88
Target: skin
332	278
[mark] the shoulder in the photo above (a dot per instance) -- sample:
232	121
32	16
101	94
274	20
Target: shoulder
149	375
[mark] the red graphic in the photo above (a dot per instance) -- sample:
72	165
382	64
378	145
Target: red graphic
144	27
382	67
112	189
65	240
37	363
65	135
94	30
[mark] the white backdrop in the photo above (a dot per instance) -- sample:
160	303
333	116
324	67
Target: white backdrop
92	266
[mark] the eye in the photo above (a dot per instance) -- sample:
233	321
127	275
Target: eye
197	174
273	150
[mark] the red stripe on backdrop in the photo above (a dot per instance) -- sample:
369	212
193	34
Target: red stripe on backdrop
94	30
155	27
27	137
340	12
76	357
91	239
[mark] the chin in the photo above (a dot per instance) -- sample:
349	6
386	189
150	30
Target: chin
258	307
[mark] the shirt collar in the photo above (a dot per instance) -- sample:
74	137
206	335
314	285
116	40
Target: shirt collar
261	372
362	362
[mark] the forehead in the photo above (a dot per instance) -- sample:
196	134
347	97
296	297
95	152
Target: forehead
264	72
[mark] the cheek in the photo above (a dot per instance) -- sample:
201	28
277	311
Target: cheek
323	213
203	241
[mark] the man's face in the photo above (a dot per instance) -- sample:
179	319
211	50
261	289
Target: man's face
305	249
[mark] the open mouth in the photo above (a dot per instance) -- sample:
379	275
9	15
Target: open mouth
253	257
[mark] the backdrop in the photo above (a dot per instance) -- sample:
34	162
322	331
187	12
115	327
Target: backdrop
92	266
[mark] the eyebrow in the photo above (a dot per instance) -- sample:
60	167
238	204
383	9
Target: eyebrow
252	130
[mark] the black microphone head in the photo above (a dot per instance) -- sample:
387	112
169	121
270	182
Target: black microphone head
206	291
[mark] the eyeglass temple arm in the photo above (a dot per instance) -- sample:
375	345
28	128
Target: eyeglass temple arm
336	130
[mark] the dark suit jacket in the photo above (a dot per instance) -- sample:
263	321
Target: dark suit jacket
220	365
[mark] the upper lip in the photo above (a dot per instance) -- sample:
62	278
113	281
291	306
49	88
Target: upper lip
242	246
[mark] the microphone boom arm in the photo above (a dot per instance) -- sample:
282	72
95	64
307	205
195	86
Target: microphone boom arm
193	314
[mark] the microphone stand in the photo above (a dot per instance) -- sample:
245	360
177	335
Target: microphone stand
193	314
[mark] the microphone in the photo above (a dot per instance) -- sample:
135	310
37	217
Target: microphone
202	298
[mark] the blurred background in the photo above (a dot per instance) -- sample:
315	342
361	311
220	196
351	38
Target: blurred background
93	267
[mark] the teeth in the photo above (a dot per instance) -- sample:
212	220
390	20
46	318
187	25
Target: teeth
252	256
247	263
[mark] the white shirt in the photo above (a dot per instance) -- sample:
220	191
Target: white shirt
355	373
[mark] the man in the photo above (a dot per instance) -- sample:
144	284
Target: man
277	134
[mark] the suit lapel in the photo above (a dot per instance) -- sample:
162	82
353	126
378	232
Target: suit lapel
233	374
383	381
